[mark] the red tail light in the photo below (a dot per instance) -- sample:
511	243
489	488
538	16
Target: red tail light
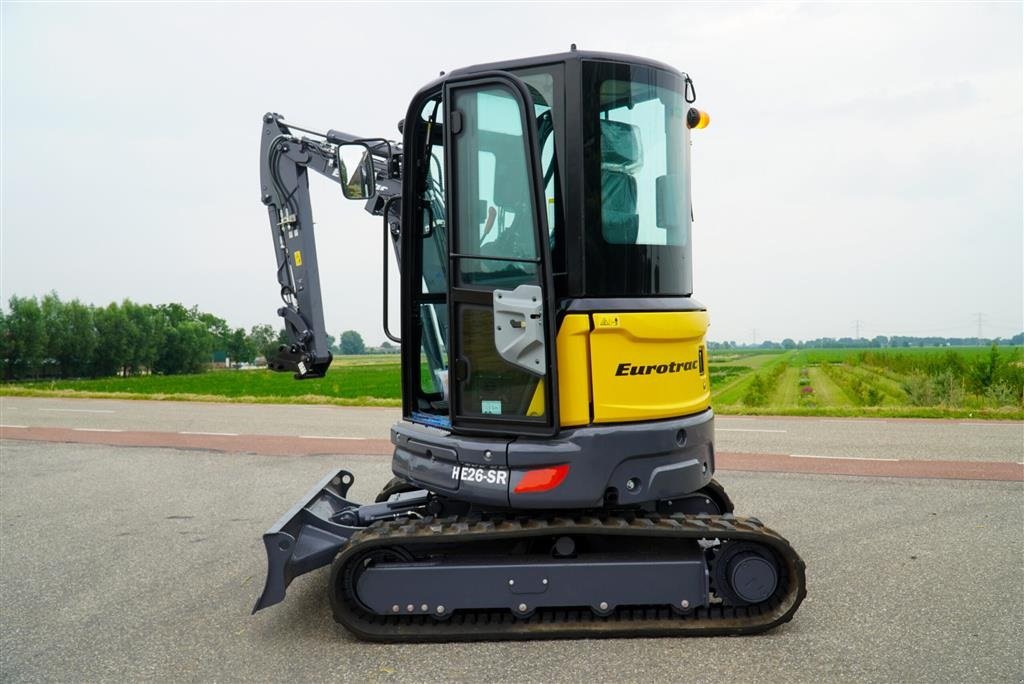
542	479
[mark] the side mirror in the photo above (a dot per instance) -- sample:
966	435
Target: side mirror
355	171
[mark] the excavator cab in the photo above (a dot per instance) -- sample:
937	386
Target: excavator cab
556	449
525	145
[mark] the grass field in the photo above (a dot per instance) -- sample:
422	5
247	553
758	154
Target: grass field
925	383
351	381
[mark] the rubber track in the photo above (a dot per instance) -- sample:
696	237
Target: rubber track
554	623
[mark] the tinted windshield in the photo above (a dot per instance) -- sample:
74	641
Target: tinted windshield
636	150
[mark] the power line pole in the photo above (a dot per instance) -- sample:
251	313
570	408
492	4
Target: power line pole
981	320
856	326
753	337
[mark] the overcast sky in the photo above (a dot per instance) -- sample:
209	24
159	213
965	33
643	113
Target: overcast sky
864	161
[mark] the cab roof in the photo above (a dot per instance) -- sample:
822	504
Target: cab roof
572	55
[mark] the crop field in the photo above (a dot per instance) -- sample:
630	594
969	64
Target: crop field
918	382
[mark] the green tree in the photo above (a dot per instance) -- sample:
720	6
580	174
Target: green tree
352	343
113	339
24	338
81	329
240	348
145	336
186	349
54	323
70	335
4	340
187	342
263	340
217	328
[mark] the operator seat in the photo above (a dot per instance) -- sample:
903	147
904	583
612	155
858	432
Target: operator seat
620	156
511	195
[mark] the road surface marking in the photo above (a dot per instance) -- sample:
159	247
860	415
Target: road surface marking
745	430
96	430
20	427
843	458
212	434
323	437
858	421
77	410
992	424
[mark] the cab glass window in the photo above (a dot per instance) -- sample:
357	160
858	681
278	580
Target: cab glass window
496	221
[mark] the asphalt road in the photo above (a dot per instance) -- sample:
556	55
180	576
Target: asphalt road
831	437
129	563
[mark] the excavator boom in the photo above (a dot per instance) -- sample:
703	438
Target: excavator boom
285	160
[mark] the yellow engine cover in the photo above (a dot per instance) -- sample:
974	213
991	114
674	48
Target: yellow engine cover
641	366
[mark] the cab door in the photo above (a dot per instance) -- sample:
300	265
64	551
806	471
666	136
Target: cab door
503	379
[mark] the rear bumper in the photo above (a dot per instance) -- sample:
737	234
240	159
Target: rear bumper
633	463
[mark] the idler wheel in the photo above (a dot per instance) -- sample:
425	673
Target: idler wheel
745	574
345	580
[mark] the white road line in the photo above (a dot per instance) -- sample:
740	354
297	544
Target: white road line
214	434
858	421
744	430
324	437
20	427
96	430
843	458
51	410
993	424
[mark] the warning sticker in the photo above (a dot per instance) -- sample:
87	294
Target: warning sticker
298	258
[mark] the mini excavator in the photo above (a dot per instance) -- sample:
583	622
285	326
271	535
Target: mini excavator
553	465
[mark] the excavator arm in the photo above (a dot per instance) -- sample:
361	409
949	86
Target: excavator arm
285	160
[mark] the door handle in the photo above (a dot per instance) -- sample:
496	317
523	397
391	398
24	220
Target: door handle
519	327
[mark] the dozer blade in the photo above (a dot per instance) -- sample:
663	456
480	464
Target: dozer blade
308	536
